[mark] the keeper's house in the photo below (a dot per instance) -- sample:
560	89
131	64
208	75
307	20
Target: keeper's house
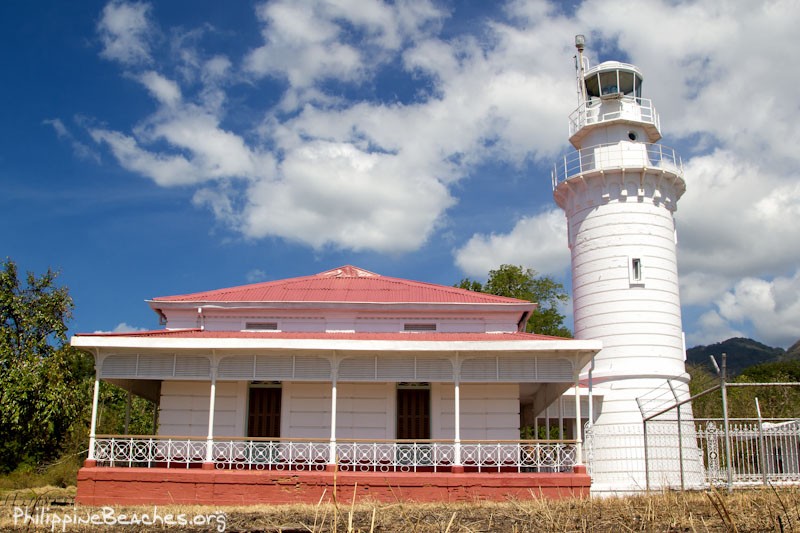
284	391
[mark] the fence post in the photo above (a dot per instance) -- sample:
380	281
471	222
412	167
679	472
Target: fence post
762	458
644	434
680	433
723	389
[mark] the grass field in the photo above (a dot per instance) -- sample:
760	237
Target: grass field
754	510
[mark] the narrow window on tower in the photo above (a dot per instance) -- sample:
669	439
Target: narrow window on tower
636	275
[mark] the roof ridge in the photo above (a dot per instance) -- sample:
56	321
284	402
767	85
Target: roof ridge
345	284
348	271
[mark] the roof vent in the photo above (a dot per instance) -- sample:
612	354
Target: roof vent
419	327
261	326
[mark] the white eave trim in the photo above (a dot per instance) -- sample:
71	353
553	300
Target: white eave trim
543	346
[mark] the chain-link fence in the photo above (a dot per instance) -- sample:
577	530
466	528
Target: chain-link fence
672	449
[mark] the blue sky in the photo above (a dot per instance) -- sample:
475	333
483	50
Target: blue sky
149	149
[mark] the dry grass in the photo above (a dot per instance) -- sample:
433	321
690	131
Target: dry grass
742	511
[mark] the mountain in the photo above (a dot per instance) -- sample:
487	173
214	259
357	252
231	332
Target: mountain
741	353
794	351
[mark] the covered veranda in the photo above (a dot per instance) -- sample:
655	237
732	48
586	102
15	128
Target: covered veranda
226	463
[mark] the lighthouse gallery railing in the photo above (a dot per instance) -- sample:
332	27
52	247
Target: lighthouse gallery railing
622	108
617	156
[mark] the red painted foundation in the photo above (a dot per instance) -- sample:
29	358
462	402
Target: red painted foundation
162	486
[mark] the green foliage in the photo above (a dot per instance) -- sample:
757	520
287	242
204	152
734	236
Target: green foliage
62	473
775	402
112	407
43	381
541	433
470	285
46	385
702	379
522	283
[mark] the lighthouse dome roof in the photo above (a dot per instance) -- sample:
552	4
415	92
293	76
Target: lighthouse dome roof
606	66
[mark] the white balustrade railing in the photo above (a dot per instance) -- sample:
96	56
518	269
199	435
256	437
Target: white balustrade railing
760	452
616	156
626	107
351	455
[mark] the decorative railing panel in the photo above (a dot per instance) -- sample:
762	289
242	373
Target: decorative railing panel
351	455
767	452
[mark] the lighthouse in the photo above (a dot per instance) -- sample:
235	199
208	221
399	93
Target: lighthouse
619	190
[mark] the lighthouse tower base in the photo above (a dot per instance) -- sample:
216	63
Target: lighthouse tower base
626	456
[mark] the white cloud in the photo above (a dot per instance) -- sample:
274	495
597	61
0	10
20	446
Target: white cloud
702	287
256	275
537	242
354	175
712	328
301	44
734	232
80	149
124	29
307	42
376	174
165	170
165	91
733	219
123	327
335	194
772	307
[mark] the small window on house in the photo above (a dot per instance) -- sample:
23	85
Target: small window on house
261	326
419	327
636	274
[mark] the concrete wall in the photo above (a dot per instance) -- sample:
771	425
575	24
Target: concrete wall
343	320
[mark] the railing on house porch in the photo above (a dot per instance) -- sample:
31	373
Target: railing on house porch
351	455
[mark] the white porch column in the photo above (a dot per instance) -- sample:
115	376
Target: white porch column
334	375
457	424
93	425
209	464
457	466
578	429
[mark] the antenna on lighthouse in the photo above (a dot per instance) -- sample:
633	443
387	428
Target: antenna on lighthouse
580	44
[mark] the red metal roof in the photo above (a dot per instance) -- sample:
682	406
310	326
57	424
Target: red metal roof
344	284
322	335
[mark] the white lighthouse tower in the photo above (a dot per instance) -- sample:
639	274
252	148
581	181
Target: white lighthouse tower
619	191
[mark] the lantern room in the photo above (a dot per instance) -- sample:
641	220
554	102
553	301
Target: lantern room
612	79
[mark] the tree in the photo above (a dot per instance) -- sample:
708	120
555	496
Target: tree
775	402
44	382
702	379
522	283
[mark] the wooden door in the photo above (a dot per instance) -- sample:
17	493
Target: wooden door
264	417
414	414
